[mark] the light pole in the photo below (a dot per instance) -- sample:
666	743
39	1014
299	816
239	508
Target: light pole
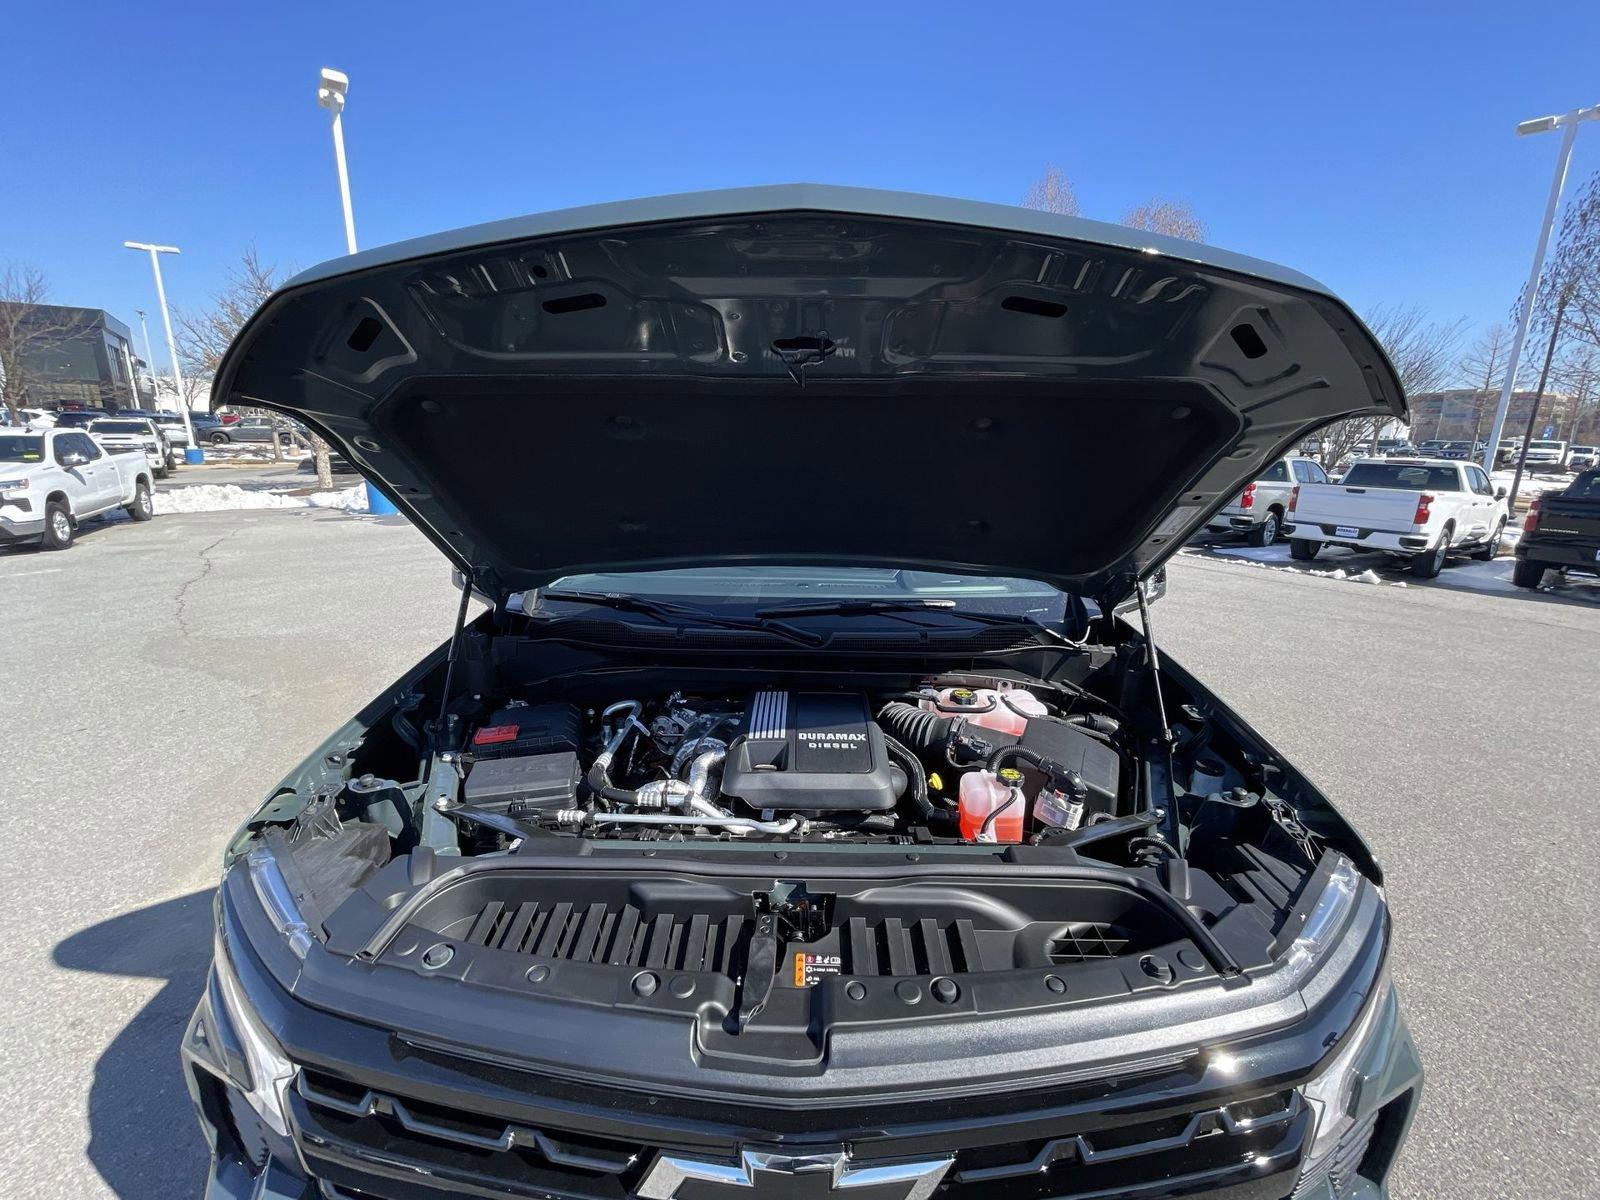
193	454
1568	124
149	356
331	89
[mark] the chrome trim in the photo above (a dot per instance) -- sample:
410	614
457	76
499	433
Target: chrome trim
669	1172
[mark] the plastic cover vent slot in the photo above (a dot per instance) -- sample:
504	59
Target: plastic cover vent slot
614	936
1083	941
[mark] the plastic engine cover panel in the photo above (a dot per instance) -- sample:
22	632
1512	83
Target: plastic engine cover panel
809	752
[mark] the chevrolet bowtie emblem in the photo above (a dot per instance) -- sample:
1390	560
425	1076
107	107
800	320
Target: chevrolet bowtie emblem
797	1174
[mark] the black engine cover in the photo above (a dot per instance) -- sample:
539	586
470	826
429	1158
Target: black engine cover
809	752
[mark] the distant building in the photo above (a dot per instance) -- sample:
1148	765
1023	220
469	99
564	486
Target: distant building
1463	414
84	361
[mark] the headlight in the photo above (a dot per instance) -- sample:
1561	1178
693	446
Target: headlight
278	901
13	487
1328	916
270	1072
1332	1095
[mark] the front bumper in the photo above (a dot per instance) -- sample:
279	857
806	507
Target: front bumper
369	1116
18	524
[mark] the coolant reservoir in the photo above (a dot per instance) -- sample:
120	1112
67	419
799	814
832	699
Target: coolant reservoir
1006	711
992	805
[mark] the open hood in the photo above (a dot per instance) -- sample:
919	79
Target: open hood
808	375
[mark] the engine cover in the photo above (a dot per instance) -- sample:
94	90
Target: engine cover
809	752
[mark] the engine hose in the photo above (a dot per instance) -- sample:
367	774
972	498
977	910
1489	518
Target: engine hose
1006	753
916	783
916	727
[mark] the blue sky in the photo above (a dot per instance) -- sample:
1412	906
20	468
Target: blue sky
1369	146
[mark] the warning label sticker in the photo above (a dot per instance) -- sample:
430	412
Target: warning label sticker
810	969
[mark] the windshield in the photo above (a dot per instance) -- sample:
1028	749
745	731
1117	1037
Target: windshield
1400	475
1546	445
21	448
119	427
741	588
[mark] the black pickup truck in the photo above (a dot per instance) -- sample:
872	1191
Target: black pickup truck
1562	531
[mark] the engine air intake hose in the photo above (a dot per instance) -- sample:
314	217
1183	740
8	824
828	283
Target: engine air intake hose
921	730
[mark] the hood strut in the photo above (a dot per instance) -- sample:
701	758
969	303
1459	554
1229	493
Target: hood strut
1153	662
455	648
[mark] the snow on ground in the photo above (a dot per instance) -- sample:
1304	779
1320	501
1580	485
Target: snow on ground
1337	563
1532	482
245	452
224	497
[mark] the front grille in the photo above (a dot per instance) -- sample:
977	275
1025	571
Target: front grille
1339	1169
362	1143
371	1142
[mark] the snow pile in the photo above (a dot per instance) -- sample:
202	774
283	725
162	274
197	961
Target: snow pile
1279	564
228	497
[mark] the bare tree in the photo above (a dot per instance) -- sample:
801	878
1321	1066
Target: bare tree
1175	218
1485	365
1570	288
204	335
1578	374
1425	355
1052	192
28	323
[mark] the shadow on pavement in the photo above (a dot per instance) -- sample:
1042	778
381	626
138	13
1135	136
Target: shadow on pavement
143	1138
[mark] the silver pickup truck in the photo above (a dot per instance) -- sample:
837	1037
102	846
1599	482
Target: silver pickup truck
1259	511
51	479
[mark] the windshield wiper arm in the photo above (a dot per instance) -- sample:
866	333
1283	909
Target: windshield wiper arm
661	610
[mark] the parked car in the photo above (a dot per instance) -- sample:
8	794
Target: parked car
203	424
136	433
1561	532
1395	448
53	479
781	959
171	424
1258	511
1580	458
255	429
1421	509
32	418
80	418
1546	453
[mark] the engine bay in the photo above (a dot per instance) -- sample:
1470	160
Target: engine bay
973	760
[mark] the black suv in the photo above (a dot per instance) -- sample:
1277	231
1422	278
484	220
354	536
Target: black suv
809	810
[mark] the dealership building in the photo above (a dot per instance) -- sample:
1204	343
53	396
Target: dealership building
83	359
1461	414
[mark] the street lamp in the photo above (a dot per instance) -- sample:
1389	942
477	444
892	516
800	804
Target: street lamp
193	454
331	89
1568	124
149	356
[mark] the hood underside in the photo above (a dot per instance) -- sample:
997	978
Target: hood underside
805	375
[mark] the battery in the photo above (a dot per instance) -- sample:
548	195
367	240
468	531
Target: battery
522	729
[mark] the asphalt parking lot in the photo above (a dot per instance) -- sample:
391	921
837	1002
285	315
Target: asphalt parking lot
163	676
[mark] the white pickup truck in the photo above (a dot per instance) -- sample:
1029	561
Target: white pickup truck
1421	509
51	479
1259	512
